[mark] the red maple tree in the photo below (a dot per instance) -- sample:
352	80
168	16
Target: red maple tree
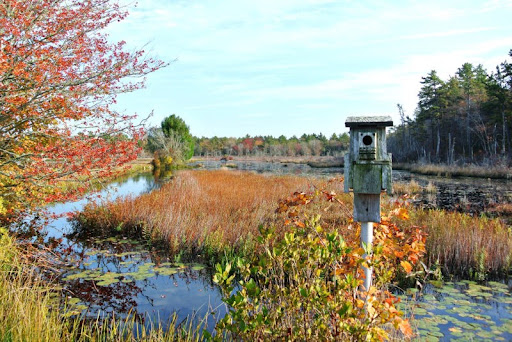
59	77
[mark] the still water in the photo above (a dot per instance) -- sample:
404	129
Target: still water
123	276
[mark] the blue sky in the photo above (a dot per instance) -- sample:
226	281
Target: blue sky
302	66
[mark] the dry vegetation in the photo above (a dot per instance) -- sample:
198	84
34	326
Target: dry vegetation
199	211
212	212
441	170
413	187
464	245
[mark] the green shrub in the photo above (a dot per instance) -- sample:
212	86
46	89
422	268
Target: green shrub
308	286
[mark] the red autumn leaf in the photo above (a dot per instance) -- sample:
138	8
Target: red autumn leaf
61	76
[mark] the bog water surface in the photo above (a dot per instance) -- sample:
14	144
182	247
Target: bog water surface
121	276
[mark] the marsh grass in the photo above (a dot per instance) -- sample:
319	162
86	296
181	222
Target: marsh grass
410	188
474	247
198	212
413	188
217	213
441	170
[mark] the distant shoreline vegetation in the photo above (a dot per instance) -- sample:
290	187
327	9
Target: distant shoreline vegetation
438	170
454	171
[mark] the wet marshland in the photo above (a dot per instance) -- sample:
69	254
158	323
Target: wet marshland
125	276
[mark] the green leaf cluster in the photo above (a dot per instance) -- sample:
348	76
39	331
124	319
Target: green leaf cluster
305	286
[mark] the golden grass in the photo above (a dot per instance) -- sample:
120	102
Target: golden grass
441	170
464	245
412	188
199	210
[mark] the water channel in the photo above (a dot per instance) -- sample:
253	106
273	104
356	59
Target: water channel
124	276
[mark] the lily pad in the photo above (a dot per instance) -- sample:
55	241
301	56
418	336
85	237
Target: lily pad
496	285
73	301
86	275
107	282
437	334
198	267
96	252
420	311
120	255
166	270
108	279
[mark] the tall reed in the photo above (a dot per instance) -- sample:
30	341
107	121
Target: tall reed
198	212
465	245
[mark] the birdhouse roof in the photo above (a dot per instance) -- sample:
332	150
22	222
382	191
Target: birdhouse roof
368	121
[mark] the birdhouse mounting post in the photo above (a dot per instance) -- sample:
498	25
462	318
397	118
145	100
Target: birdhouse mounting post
367	174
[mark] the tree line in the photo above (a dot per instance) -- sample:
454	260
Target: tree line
173	139
466	118
305	145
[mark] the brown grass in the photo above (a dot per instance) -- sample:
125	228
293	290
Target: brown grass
413	187
214	212
410	188
441	170
198	209
469	246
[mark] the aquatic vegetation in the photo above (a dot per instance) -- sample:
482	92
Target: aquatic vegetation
474	247
413	187
464	310
34	310
496	172
199	212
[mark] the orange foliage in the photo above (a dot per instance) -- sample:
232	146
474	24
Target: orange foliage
59	77
198	208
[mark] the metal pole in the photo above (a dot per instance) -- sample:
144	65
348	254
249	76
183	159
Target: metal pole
367	239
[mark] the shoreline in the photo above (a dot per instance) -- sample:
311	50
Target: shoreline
453	171
439	170
313	161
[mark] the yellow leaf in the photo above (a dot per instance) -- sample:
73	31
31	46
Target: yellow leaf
407	266
359	251
403	214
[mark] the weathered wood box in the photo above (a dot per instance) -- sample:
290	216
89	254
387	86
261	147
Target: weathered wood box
368	165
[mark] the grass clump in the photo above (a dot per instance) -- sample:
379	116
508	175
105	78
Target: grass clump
413	188
199	212
410	188
467	246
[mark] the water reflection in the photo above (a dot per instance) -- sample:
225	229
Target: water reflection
123	276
